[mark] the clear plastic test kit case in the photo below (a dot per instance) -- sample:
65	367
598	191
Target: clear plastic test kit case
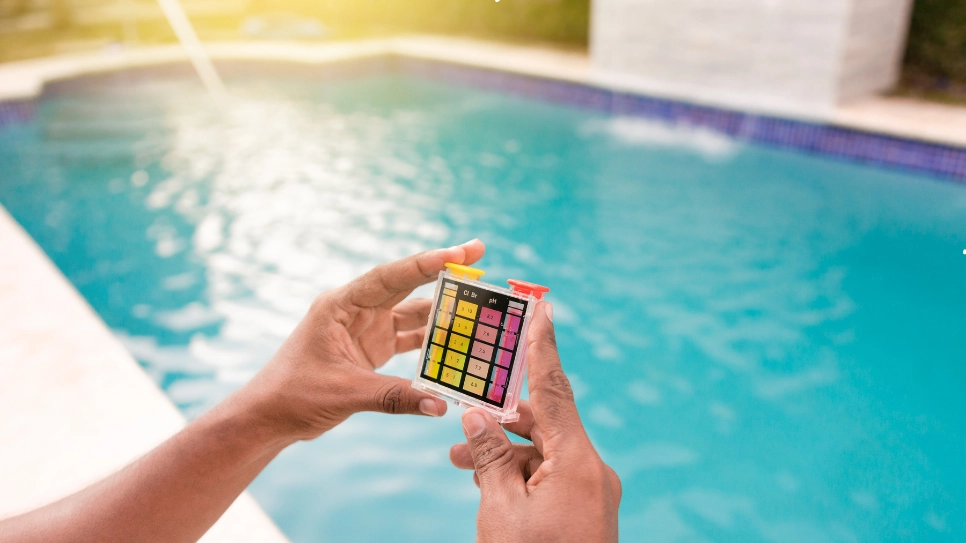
474	353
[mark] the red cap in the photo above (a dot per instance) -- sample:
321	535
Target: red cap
528	288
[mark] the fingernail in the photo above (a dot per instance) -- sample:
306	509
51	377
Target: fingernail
549	309
428	407
473	424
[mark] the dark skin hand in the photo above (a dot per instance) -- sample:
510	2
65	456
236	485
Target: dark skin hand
554	489
321	375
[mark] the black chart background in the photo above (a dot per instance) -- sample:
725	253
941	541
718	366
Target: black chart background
483	298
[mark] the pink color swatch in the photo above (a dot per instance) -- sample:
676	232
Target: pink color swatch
490	316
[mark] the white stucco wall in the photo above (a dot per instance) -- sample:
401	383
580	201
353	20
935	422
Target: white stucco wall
790	57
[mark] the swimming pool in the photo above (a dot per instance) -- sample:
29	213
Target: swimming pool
766	345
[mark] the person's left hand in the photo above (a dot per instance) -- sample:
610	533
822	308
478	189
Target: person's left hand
323	373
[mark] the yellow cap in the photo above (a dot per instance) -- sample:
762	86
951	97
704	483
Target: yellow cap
464	272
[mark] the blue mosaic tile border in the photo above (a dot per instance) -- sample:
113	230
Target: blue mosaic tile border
17	111
844	143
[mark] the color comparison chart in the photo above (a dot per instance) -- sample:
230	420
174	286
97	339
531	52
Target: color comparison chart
474	341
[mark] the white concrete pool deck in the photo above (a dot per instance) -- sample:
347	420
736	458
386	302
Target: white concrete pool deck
75	406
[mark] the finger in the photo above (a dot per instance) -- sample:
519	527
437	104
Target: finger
461	457
394	395
527	458
411	340
492	454
387	284
526	427
411	314
522	427
551	397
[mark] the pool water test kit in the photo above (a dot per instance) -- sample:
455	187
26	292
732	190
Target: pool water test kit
474	352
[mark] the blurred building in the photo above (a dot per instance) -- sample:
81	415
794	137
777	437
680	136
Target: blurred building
788	57
783	56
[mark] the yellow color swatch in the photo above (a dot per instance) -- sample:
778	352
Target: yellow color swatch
435	353
432	369
443	319
455	359
451	376
439	336
459	342
463	326
466	309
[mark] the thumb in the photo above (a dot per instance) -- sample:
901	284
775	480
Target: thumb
492	453
396	396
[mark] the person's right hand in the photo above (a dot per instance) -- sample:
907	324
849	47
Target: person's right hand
558	488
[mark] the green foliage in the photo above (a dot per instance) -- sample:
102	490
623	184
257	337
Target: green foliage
559	21
937	40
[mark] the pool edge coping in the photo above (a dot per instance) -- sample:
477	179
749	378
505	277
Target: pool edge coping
74	404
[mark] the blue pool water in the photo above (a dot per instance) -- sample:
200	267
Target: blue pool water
766	346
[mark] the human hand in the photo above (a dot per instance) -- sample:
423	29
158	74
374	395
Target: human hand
555	489
321	375
323	372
